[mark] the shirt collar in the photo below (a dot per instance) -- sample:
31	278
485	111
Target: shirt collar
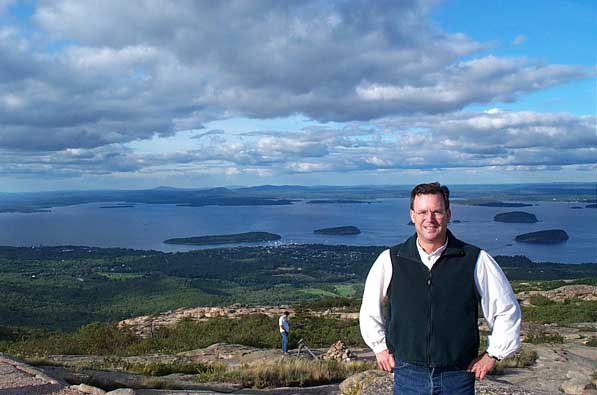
435	254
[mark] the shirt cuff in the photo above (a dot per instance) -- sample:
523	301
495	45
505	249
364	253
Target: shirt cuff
496	354
381	346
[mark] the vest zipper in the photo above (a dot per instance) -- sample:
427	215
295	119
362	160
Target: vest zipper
430	324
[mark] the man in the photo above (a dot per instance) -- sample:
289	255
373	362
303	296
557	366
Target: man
284	329
434	283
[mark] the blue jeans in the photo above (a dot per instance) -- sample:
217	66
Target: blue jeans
419	380
284	341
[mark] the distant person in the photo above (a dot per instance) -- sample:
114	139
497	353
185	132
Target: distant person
284	330
434	283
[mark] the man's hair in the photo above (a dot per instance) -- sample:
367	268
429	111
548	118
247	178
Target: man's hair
286	313
433	188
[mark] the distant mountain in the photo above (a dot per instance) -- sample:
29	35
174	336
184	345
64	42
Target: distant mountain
501	195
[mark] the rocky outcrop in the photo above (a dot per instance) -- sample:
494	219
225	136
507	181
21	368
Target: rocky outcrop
145	325
18	378
376	382
584	292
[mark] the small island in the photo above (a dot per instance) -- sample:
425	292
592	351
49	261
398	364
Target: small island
593	205
25	210
551	236
248	237
336	201
516	217
339	231
119	206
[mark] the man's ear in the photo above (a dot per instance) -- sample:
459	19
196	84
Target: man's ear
412	215
449	214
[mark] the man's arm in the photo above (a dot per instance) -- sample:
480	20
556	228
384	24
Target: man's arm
502	312
371	318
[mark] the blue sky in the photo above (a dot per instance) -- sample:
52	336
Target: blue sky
200	94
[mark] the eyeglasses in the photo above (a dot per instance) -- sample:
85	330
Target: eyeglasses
434	213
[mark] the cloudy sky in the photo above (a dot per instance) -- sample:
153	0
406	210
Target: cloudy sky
144	93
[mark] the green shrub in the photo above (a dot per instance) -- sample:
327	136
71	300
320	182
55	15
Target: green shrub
571	310
163	369
537	334
256	330
522	359
540	300
592	341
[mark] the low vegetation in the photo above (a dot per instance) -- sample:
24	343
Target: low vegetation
568	311
287	372
57	300
522	359
257	331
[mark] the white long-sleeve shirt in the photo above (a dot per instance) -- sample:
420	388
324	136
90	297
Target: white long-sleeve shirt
283	324
499	305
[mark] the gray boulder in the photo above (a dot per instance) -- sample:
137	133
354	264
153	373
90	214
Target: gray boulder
370	382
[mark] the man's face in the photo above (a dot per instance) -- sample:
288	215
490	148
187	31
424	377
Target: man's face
431	218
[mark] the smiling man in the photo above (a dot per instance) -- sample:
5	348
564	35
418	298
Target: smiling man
434	284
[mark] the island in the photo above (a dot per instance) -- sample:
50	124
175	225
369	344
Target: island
516	217
339	231
247	237
25	210
502	204
119	206
551	236
594	205
336	201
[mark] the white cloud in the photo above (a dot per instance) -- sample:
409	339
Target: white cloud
131	70
520	39
119	72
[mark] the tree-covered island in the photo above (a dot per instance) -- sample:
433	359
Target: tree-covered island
247	237
516	217
550	236
338	231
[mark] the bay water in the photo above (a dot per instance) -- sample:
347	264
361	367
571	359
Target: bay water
382	223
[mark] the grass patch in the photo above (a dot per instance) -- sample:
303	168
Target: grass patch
286	372
318	292
538	335
346	290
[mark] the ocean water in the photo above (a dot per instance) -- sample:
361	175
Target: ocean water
384	222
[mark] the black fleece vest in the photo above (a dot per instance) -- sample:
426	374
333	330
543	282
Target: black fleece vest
432	315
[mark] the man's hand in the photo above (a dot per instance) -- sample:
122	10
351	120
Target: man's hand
385	360
481	366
